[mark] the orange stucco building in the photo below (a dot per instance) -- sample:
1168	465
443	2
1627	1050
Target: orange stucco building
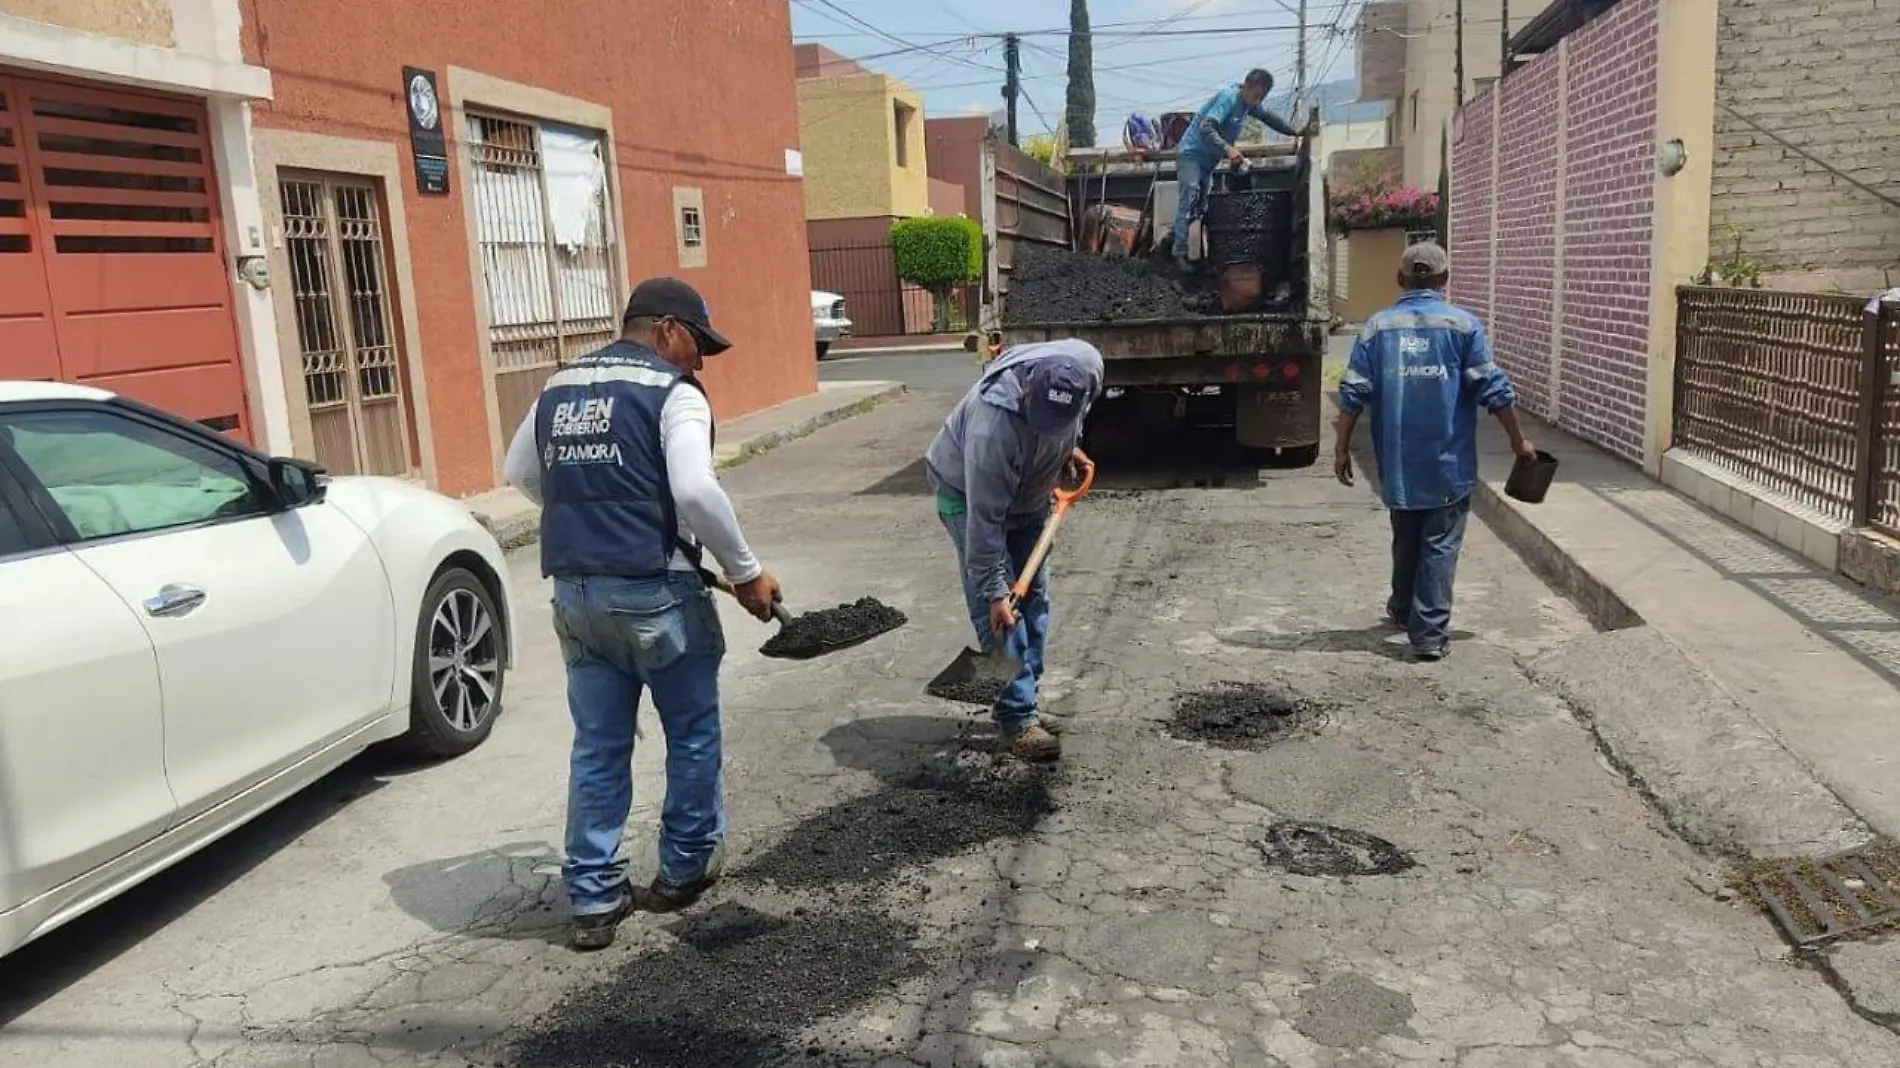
385	224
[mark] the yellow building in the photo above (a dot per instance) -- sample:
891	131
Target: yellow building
862	134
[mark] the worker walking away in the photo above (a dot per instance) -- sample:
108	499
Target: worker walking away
618	452
994	467
1422	368
1213	136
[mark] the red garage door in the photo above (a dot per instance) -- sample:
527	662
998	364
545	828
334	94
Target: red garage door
112	268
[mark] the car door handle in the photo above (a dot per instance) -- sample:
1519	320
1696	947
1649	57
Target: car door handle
174	600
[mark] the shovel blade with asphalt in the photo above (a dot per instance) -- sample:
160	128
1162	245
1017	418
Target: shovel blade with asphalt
979	677
813	635
976	676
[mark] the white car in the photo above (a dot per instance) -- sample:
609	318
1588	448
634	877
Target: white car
828	320
190	632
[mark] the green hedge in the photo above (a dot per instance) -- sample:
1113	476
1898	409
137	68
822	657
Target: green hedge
938	252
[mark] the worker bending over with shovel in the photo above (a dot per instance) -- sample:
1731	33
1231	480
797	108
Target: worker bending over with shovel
995	466
617	450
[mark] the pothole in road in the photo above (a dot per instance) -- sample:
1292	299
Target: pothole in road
1316	849
1247	716
831	629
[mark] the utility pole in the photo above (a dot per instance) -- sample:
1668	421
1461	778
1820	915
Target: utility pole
1299	76
1458	51
1504	38
1012	78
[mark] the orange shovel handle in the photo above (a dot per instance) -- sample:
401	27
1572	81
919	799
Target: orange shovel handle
1064	500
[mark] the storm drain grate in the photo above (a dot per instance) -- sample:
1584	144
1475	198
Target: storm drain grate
1820	901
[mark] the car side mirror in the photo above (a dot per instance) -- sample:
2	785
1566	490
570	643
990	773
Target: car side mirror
297	482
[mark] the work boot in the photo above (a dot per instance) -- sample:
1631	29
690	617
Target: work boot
596	930
1035	745
662	896
1050	722
1431	654
1182	265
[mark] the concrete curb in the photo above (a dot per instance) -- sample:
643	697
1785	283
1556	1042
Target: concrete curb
512	531
515	522
1720	778
759	444
1599	603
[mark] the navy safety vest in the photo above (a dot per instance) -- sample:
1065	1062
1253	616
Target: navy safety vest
607	506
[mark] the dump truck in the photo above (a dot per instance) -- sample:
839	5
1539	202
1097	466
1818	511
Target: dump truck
1244	347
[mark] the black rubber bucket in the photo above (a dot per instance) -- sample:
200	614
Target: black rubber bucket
1531	478
1255	227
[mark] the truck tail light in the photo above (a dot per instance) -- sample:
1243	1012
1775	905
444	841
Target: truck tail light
1291	371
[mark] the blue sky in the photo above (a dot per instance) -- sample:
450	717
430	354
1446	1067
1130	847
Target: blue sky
1159	71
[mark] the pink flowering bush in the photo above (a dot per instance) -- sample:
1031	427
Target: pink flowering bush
1381	203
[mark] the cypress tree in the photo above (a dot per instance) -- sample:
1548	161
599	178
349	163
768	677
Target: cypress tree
1081	110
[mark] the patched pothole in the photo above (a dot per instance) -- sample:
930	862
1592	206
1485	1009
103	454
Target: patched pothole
1316	849
1247	716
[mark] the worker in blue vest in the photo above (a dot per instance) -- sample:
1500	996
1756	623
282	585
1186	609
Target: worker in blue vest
618	451
1213	136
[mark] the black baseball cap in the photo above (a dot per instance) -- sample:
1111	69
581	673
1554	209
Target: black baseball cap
670	298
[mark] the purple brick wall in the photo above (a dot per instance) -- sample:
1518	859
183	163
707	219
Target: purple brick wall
1472	205
1587	242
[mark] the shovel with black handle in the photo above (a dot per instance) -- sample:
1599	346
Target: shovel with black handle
979	677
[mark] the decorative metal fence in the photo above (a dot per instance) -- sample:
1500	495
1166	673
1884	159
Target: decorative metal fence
878	302
1881	500
1791	391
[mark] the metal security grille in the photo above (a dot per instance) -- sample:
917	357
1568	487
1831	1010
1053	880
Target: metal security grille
339	286
543	224
1768	386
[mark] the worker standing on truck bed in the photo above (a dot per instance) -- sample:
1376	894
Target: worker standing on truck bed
994	466
1215	135
1422	367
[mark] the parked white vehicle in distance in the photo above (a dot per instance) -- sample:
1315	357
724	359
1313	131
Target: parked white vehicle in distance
828	320
190	632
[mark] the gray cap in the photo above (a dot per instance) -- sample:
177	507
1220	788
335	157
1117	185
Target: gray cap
1424	260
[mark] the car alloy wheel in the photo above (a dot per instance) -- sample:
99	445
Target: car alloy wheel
464	659
459	672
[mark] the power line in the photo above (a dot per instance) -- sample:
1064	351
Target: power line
852	19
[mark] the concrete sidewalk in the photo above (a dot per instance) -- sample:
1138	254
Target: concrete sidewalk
1751	692
515	521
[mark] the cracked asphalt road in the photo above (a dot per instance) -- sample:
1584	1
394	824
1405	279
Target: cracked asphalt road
901	896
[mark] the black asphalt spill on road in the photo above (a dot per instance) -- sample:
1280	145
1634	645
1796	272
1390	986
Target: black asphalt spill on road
1315	849
1246	716
742	986
734	991
866	841
831	629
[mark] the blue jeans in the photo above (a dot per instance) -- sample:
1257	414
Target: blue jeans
620	637
1015	711
1425	546
1195	179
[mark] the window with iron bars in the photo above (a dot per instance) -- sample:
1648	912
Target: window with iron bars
544	224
